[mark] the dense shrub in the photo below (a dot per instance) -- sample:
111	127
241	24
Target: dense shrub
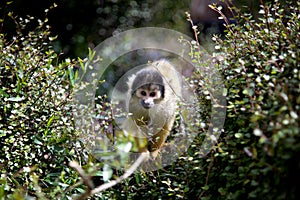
257	156
36	129
261	68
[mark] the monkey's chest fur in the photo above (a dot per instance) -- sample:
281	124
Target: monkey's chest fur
151	121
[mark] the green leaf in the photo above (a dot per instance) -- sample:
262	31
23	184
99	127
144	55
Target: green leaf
15	99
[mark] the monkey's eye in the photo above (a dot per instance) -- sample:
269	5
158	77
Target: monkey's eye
152	94
143	93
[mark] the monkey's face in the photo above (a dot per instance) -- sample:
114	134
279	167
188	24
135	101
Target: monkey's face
150	94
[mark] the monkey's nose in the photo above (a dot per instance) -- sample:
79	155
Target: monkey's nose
147	104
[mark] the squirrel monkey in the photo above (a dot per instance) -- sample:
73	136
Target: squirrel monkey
154	92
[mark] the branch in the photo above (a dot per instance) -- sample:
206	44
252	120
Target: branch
208	172
85	178
88	182
128	173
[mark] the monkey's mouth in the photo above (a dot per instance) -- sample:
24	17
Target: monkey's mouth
147	105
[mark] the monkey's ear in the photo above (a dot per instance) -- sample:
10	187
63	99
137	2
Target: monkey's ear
129	84
132	92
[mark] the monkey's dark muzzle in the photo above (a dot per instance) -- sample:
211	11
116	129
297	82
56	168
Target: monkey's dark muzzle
147	104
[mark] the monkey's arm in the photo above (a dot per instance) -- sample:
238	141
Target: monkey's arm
158	140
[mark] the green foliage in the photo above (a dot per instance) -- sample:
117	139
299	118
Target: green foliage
261	66
36	128
257	155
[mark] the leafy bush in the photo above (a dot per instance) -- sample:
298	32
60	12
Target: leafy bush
257	155
37	135
261	67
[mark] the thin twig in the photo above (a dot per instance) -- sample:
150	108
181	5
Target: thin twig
195	29
128	173
85	178
213	7
266	14
208	172
88	182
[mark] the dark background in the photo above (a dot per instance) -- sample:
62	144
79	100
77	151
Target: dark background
83	24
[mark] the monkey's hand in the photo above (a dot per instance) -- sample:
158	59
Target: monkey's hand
154	154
